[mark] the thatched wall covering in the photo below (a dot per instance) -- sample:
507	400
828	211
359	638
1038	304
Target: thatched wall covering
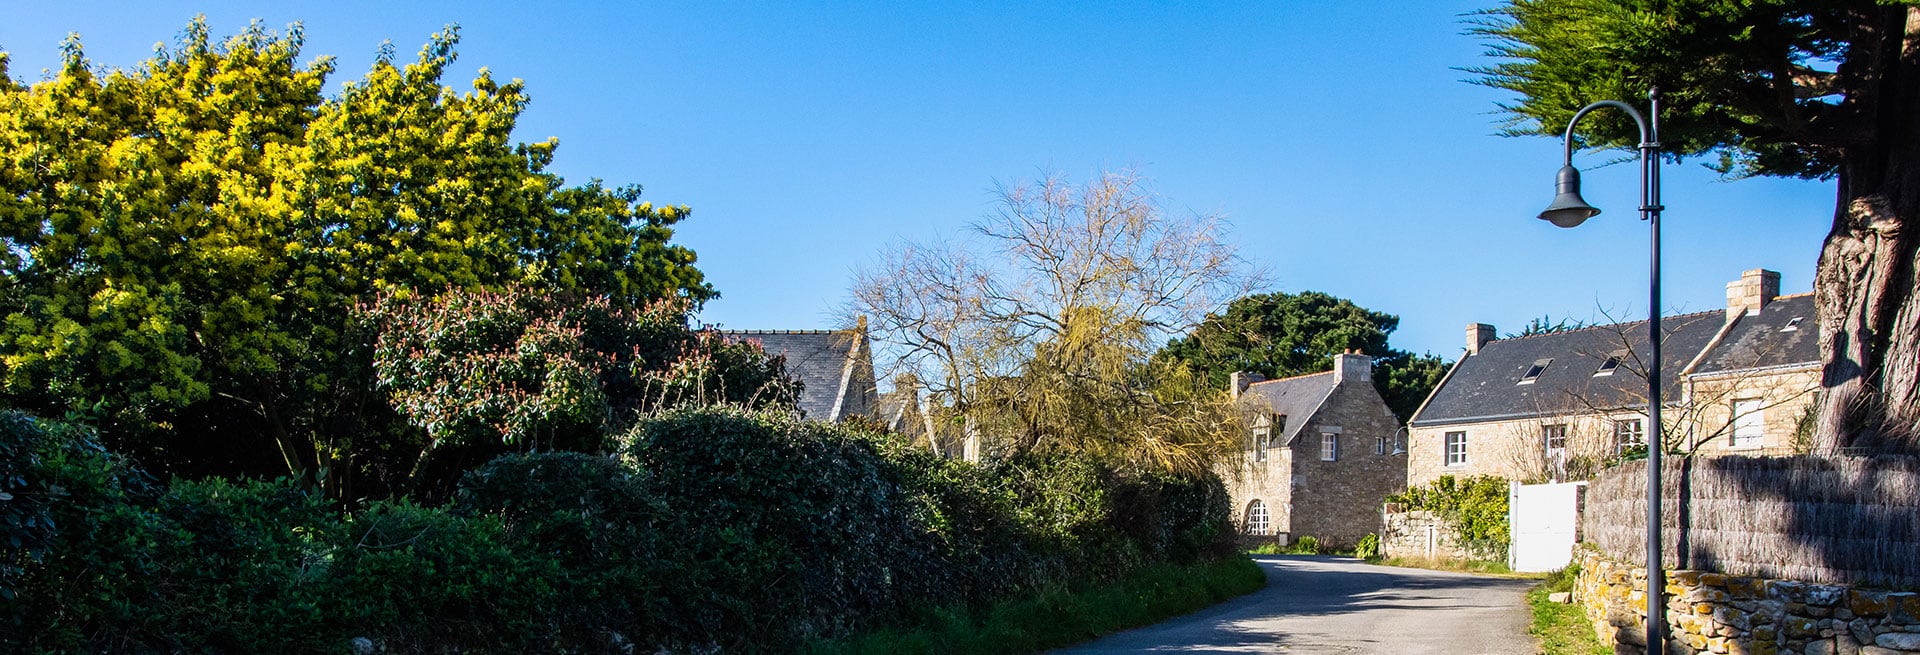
1834	520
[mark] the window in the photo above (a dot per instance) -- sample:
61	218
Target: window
1258	519
1456	448
1613	362
1329	446
1555	438
1262	437
1793	324
1380	445
1628	433
1533	372
1749	424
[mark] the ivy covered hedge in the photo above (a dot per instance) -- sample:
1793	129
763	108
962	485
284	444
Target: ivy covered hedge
707	529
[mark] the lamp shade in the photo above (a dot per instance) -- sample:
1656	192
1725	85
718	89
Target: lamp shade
1568	208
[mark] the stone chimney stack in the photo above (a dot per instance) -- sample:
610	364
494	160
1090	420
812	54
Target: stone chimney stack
1238	381
1754	290
1353	366
1478	334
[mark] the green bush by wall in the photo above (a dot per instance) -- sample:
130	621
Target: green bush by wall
711	528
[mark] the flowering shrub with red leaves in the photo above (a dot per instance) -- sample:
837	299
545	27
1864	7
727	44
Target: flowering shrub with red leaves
530	369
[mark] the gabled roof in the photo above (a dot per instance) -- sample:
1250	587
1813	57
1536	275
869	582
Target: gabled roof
1487	385
1762	341
1296	398
824	362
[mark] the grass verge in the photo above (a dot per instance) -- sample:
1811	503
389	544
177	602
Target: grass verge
1063	616
1562	628
1489	567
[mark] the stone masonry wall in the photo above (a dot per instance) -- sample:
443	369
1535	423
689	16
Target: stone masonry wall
1714	613
1338	502
1419	535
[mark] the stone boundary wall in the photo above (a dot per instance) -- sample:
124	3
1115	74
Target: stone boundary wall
1847	520
1418	535
1717	613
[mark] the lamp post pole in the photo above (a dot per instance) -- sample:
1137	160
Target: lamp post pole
1570	210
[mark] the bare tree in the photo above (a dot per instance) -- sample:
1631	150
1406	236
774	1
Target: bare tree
1035	332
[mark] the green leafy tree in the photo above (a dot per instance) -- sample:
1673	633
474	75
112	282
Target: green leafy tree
1793	88
184	241
1285	334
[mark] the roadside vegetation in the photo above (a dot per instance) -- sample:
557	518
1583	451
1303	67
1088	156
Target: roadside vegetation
1562	628
1062	616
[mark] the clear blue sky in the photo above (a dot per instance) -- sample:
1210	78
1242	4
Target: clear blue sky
1338	137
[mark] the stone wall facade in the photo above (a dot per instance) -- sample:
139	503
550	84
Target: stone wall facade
1335	501
1338	501
1714	613
1419	535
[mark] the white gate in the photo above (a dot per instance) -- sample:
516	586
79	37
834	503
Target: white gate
1544	520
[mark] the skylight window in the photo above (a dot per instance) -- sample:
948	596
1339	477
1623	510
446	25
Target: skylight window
1793	324
1533	372
1613	362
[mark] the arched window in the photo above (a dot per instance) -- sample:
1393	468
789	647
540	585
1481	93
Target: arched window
1258	521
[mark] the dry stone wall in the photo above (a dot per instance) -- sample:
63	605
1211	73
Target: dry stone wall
1716	613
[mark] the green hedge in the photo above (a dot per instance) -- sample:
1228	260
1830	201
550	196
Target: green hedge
708	529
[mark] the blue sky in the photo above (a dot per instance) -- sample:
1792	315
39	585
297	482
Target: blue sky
1339	138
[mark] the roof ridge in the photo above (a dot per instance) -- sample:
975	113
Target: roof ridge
1794	295
1608	325
1290	377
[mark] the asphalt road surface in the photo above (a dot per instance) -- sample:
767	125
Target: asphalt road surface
1318	604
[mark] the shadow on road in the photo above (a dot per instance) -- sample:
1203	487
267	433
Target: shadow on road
1325	604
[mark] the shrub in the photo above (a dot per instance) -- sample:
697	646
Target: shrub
1474	509
419	579
1305	545
1369	548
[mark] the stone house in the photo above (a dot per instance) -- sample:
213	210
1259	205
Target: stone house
1320	456
1555	406
833	367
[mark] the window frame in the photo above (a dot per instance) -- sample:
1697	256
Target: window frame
1448	451
1535	370
1264	515
1638	431
1737	438
1550	432
1329	446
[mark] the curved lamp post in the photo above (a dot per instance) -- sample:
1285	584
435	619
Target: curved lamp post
1570	210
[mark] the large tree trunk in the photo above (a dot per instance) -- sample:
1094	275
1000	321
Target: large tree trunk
1866	284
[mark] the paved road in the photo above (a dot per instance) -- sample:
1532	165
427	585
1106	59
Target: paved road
1317	604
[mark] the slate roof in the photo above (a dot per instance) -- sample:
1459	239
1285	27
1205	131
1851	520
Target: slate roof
1486	386
823	361
1296	398
1761	341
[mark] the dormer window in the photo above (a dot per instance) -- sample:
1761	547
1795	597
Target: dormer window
1533	372
1613	362
1793	324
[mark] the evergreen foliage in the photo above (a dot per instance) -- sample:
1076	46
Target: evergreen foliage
1286	334
713	529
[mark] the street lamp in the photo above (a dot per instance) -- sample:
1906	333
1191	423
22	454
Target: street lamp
1569	210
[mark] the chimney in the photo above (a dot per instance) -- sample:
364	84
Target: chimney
1238	381
1353	366
1478	334
1751	292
